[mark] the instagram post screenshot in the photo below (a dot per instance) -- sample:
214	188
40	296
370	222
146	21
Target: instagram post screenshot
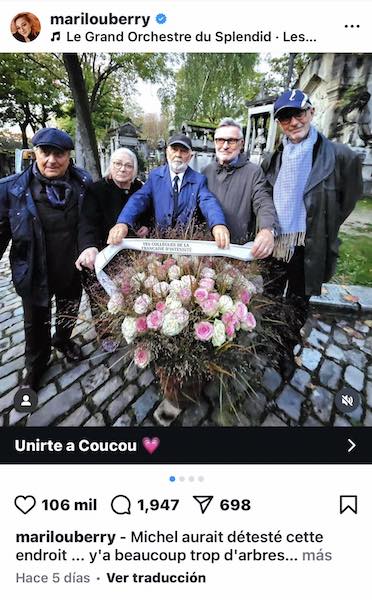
186	299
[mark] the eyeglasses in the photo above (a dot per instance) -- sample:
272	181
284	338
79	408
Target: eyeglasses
117	164
285	117
231	142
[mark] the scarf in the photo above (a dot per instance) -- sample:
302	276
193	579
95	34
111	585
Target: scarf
289	189
58	191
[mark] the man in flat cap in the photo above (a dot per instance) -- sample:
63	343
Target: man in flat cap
39	210
177	193
315	184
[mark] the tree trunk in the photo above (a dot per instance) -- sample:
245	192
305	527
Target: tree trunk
23	127
86	150
292	57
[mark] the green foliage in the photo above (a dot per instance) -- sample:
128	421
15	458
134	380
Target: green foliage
30	95
111	81
279	71
212	86
355	262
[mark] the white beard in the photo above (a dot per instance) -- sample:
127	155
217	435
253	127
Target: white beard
177	167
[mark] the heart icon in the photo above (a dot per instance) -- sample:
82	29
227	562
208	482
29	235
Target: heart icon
25	503
150	444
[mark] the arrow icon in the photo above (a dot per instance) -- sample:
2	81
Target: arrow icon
204	502
352	445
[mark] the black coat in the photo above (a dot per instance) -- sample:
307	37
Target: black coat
20	223
102	205
332	190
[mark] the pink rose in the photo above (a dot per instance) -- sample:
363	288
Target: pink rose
155	319
142	356
206	283
209	307
142	304
169	262
227	317
245	296
214	296
241	310
230	330
249	322
200	294
160	306
203	331
184	294
141	324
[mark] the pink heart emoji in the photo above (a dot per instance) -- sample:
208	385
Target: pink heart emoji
150	444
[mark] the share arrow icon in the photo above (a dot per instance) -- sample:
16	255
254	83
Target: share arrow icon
204	502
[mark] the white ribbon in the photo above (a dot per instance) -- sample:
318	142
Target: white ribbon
183	247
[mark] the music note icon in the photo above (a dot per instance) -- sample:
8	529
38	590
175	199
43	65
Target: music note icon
56	36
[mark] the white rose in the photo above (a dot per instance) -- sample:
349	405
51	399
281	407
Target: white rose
136	281
173	324
247	285
142	304
161	289
153	266
188	280
225	304
172	302
175	285
219	335
128	329
209	273
150	282
115	303
174	272
225	280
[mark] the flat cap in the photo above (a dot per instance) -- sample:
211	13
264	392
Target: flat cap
291	99
180	138
51	136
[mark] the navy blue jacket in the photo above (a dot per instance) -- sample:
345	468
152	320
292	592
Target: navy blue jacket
157	191
20	223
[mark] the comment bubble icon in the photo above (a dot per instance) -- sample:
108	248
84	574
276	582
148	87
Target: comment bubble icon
121	505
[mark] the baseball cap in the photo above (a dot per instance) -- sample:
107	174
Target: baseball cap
51	136
291	99
180	138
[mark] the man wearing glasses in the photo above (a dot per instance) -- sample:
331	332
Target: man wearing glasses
242	190
315	184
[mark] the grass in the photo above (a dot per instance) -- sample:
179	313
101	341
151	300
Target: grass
355	262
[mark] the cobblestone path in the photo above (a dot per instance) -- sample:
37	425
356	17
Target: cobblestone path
106	390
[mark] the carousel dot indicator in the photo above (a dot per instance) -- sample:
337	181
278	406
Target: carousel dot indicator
172	478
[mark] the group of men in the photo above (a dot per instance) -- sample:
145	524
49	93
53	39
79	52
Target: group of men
293	206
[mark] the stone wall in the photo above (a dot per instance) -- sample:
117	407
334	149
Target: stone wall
340	87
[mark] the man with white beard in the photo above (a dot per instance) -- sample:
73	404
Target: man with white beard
177	193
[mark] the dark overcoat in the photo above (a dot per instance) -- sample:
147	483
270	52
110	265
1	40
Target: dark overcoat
332	190
20	223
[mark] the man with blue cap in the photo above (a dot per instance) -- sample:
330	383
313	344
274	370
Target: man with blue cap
316	184
39	211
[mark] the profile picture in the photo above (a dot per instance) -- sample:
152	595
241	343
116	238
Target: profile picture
25	27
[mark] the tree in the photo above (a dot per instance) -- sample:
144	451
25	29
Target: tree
212	86
85	143
29	95
284	71
154	128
